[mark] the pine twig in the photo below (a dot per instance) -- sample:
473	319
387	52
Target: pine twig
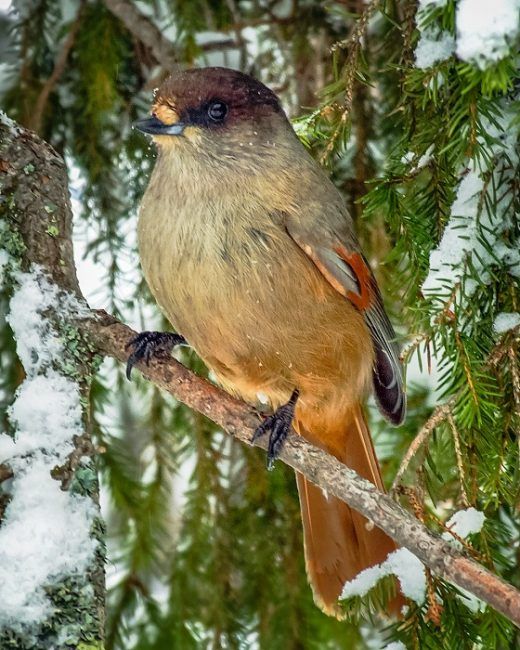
110	337
515	376
353	44
458	454
437	417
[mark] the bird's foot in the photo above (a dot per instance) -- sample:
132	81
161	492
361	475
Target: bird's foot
279	425
151	344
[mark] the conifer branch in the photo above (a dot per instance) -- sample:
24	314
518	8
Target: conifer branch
163	50
353	45
110	337
443	412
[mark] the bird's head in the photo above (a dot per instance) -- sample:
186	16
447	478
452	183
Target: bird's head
216	110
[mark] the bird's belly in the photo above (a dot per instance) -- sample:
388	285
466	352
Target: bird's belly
265	321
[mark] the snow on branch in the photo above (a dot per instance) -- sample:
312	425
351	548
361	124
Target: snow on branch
45	532
110	337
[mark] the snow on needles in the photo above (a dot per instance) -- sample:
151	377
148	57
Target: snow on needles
401	563
465	522
408	569
485	31
506	321
434	45
473	232
44	535
459	237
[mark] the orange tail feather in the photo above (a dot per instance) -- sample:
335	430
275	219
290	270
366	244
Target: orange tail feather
338	544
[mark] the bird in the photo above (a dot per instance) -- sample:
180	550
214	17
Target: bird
250	252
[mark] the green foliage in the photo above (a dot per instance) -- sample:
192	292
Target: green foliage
204	546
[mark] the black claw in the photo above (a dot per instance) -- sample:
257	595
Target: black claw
151	344
279	424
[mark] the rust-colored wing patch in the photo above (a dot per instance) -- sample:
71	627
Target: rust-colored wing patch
363	299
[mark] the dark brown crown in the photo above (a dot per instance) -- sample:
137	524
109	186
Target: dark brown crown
189	91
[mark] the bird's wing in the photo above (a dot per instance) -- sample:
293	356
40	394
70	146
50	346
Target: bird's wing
335	252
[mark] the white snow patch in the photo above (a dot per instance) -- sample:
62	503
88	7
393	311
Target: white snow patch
465	522
433	47
395	645
403	564
45	531
434	44
46	413
45	535
424	4
423	160
37	343
459	237
473	231
473	603
506	321
486	29
7	447
510	257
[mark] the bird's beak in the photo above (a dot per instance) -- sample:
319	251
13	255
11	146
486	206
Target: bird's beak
154	126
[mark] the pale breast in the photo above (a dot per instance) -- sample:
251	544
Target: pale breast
249	301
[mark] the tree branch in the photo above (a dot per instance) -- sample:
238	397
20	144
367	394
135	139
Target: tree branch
35	229
144	30
35	122
110	337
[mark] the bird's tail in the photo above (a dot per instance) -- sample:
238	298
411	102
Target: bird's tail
338	544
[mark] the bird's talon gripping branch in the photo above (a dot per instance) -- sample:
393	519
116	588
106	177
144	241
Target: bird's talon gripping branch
151	344
279	425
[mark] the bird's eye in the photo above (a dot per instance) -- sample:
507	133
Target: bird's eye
217	111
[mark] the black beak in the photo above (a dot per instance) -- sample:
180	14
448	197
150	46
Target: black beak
154	126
